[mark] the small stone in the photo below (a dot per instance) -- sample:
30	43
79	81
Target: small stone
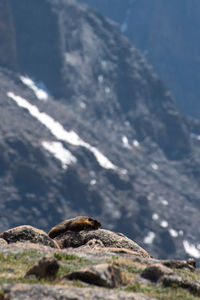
191	262
45	267
2	243
101	275
155	272
94	244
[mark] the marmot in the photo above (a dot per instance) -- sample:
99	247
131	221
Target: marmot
75	224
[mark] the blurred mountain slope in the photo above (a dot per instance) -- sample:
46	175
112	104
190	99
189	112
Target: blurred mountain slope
87	127
167	34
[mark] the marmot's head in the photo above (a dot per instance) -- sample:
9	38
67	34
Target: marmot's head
90	223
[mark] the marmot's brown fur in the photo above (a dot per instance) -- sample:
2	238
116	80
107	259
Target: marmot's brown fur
75	224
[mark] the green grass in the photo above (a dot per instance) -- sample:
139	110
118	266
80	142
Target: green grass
161	293
70	262
78	283
72	257
23	257
134	270
187	274
13	267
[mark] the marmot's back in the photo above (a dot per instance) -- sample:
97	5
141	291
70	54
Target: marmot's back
75	224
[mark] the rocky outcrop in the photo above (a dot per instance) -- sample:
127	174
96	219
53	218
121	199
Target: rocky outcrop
108	239
101	275
175	280
27	233
177	264
156	271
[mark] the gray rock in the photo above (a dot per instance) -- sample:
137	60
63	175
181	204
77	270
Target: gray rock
155	272
27	233
180	264
174	280
102	275
107	237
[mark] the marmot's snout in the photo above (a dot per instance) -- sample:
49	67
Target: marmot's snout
96	224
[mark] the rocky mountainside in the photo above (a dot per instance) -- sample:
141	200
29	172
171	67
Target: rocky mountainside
166	33
88	128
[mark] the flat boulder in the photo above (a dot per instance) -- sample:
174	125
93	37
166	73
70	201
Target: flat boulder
107	238
156	271
27	233
105	275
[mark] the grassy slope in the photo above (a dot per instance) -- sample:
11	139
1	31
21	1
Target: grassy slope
13	267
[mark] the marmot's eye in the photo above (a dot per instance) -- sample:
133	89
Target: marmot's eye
90	219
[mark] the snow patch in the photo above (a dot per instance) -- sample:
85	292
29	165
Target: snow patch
136	143
173	232
40	94
100	78
60	133
125	142
155	217
164	202
149	238
56	148
73	58
154	166
93	182
191	249
82	105
195	136
107	90
124	171
164	224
